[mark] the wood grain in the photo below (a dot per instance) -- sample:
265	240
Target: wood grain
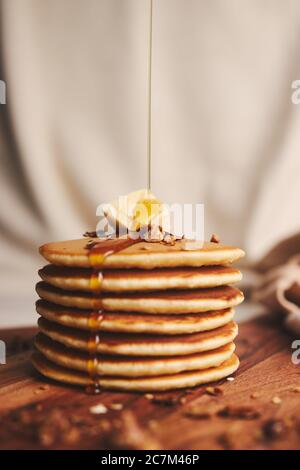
27	402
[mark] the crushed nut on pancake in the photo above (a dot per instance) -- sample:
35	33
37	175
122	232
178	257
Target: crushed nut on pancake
90	234
215	238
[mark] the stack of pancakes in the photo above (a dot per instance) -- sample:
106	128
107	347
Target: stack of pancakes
144	317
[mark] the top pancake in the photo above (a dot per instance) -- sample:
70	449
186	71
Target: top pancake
142	255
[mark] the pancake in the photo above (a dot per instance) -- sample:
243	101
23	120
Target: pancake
140	384
142	344
87	279
136	315
131	366
142	255
178	302
134	323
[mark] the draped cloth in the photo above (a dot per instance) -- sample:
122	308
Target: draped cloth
73	132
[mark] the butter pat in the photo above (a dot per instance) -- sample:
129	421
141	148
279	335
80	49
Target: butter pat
130	213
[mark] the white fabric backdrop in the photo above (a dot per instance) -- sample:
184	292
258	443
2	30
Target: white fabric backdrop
73	131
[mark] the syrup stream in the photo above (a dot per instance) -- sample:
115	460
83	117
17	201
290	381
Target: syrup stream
150	95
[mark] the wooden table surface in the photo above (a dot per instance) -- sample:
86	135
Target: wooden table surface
259	409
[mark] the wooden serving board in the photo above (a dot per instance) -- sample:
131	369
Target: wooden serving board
264	398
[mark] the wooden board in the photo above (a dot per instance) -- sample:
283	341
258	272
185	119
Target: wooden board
37	414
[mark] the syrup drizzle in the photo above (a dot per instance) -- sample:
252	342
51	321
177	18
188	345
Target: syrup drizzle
98	251
94	322
96	280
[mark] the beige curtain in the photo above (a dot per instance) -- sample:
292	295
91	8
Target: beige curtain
73	131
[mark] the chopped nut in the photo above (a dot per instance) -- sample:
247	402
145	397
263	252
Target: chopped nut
44	387
215	238
214	391
169	239
276	400
106	425
273	429
56	427
153	423
191	245
129	435
41	388
149	396
239	412
90	234
151	233
25	417
289	421
116	406
72	436
198	412
254	395
165	400
227	440
90	244
99	409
